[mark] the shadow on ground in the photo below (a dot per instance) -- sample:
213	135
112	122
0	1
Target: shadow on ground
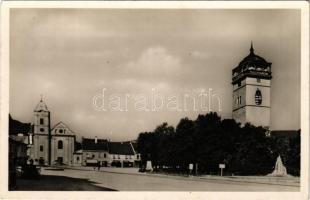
58	183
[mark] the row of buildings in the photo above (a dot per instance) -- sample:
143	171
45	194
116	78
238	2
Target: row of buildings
57	145
106	153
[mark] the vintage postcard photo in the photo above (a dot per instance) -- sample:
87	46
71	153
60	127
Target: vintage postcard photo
149	97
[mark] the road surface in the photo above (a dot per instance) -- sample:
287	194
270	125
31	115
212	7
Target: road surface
136	182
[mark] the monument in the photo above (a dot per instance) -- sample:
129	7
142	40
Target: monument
279	169
149	166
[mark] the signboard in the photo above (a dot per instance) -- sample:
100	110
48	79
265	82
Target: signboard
222	166
191	166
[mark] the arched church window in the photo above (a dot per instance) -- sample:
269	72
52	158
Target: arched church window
258	97
60	144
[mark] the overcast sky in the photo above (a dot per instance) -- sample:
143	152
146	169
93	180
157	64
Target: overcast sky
70	55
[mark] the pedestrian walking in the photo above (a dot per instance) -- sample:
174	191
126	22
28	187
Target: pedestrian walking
99	164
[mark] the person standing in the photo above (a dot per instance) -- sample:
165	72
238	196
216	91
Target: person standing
99	164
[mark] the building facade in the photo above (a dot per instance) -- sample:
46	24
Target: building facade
95	151
62	144
50	146
251	81
115	154
78	158
122	154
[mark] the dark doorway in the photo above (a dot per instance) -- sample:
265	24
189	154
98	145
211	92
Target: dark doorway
60	160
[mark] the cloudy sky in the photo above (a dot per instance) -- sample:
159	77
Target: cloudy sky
70	55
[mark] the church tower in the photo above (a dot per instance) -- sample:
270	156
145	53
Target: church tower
251	81
41	152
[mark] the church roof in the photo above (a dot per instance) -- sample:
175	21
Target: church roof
252	66
41	106
61	125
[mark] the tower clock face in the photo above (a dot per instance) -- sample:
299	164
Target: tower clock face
258	97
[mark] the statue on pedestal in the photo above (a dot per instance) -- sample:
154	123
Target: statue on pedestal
149	166
279	169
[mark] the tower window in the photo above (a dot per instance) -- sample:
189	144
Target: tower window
41	121
239	100
42	129
60	144
258	97
41	147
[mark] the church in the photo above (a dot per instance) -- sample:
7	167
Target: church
48	145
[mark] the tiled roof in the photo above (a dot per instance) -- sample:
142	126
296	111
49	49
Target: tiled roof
135	146
121	148
253	60
252	66
118	148
89	144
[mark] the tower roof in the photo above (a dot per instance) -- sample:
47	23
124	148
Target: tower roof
252	66
41	106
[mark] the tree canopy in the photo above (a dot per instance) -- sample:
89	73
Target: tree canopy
209	141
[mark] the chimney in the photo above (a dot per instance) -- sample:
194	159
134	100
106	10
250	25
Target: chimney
96	140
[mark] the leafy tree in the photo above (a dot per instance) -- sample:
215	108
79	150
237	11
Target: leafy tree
209	141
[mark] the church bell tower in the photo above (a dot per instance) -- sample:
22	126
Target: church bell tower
41	134
251	81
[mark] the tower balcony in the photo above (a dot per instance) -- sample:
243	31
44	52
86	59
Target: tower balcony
262	74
